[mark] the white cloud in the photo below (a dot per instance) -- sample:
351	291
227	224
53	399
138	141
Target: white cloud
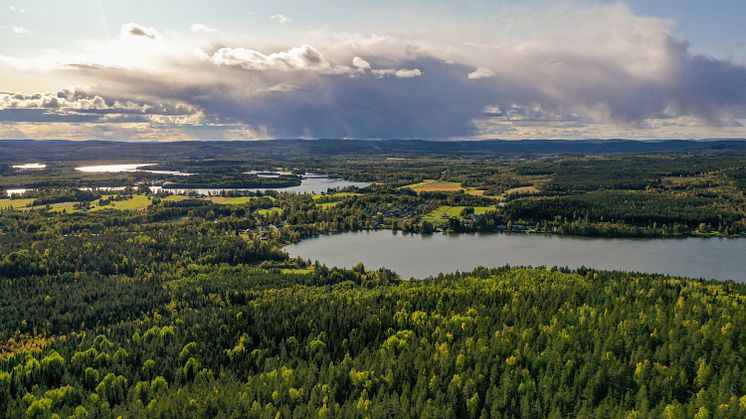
281	19
360	64
407	74
18	30
199	27
304	57
399	74
481	73
17	9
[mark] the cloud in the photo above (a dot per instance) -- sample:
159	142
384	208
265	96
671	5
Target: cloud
18	30
304	57
360	64
199	27
17	9
407	74
281	19
79	104
134	29
584	69
481	73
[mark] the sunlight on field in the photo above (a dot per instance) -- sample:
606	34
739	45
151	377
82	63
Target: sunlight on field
522	190
15	203
327	205
338	195
431	185
269	211
443	213
136	203
175	198
232	200
61	207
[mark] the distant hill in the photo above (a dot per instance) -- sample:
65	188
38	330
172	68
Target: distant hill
32	150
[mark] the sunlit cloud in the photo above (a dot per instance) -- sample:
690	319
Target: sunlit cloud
281	19
199	27
18	30
481	73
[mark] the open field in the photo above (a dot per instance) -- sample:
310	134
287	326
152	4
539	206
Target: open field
269	211
338	195
327	205
175	198
522	190
224	200
62	206
233	200
15	203
443	213
431	185
137	203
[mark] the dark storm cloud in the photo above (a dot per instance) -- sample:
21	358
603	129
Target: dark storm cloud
327	99
438	104
42	115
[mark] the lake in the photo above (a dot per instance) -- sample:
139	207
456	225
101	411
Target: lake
419	256
113	168
10	192
136	167
30	166
309	184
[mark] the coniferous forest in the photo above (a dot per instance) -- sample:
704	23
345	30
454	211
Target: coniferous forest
143	303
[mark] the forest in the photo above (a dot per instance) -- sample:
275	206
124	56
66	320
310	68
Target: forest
140	302
113	314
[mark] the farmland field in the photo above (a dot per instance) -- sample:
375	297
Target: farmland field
443	213
435	186
135	203
15	203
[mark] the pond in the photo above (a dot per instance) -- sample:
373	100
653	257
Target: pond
419	256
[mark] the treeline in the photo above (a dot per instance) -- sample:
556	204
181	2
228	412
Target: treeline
658	211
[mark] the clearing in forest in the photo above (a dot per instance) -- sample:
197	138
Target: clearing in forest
443	213
431	185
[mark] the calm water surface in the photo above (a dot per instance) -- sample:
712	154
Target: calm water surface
419	256
308	185
113	168
30	166
136	167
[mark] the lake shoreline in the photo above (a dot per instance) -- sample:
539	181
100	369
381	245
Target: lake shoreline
418	256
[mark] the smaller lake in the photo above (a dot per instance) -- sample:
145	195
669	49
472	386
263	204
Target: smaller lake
309	184
113	168
136	167
30	166
10	192
419	256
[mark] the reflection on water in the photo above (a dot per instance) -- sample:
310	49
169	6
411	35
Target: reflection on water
309	184
113	168
136	167
10	192
28	166
424	255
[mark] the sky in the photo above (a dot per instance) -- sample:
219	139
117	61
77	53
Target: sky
428	69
